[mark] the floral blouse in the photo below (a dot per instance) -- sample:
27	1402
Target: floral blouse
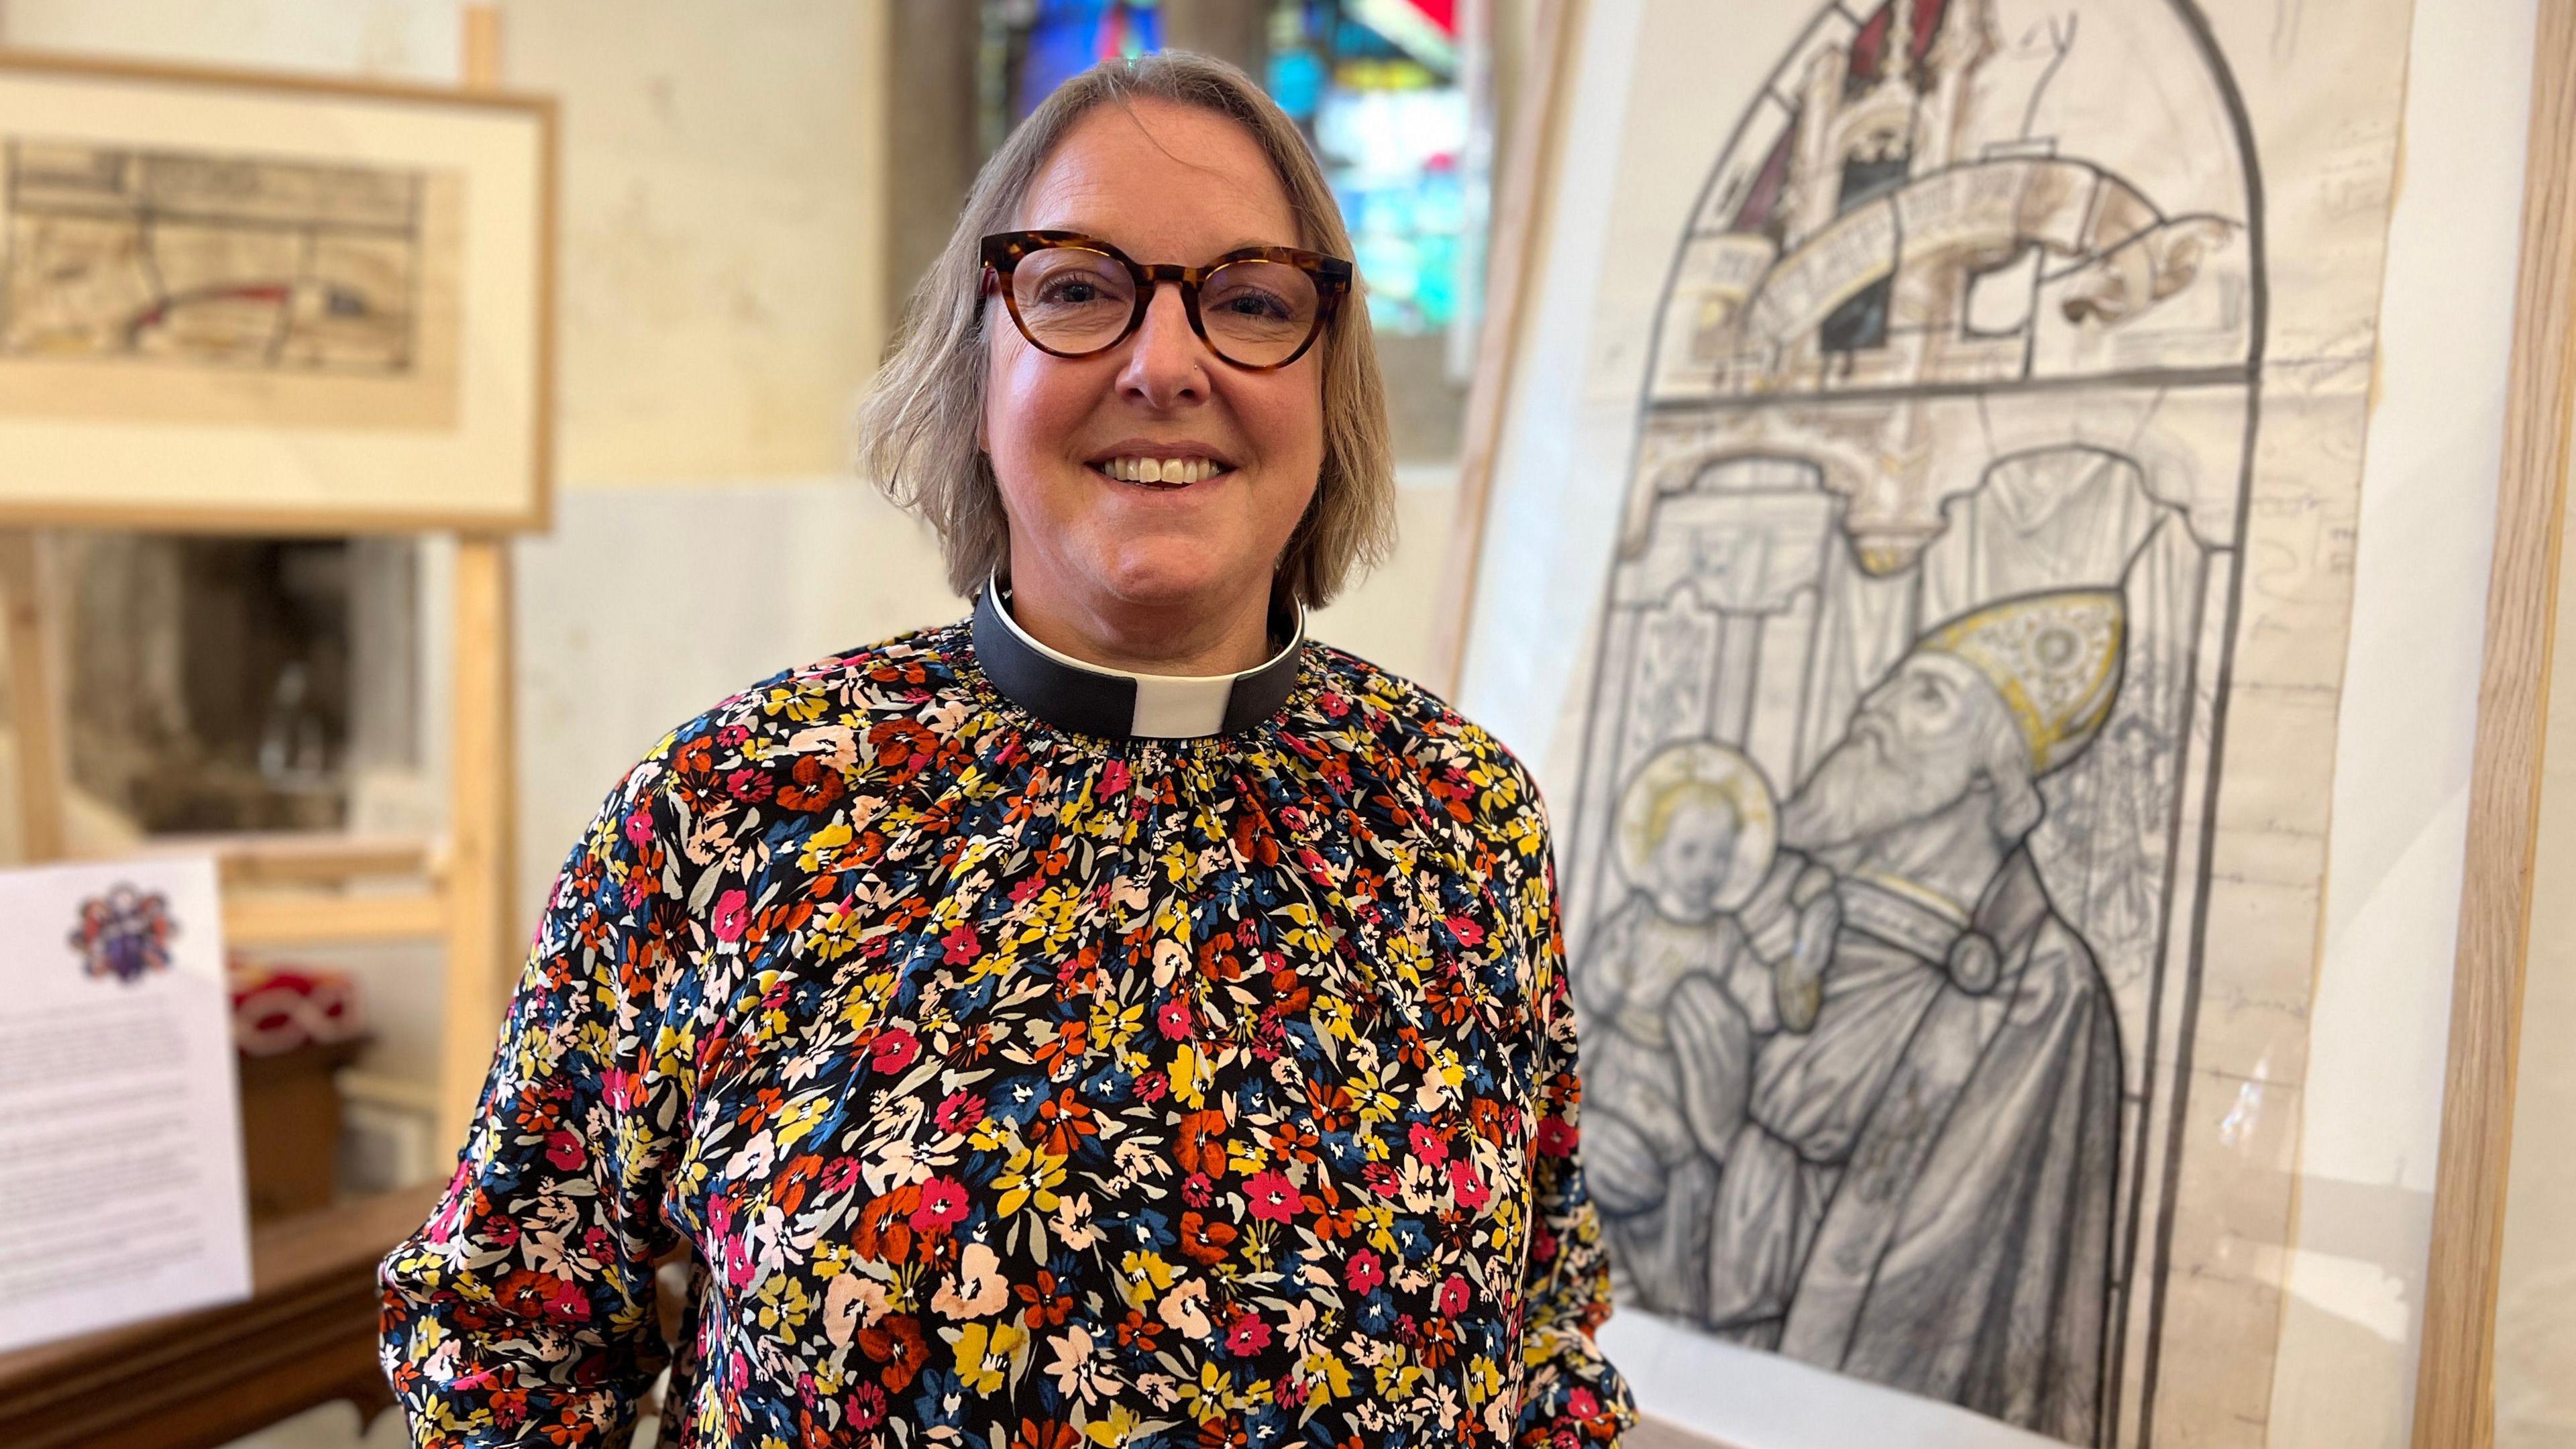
1018	1088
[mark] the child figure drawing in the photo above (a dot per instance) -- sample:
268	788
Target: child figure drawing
1678	987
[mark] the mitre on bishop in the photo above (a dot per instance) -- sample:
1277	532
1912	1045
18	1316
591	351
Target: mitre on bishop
2054	657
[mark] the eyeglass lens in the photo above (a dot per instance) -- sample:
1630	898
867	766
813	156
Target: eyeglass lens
1074	300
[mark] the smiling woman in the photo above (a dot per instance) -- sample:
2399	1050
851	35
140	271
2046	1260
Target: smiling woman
1113	1018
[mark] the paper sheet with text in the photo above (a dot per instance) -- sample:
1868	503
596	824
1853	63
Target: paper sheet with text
121	1194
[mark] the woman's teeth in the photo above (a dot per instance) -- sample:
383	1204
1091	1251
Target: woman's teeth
1161	470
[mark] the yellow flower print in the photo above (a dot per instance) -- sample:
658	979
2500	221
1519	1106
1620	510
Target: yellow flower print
823	848
1330	1377
1209	1398
984	1354
800	702
1115	1429
1142	1276
1114	1025
1031	1176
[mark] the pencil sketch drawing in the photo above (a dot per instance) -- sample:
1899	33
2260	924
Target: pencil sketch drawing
152	255
1883	860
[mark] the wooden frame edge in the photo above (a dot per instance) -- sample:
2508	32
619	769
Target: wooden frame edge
1517	231
249	78
2455	1372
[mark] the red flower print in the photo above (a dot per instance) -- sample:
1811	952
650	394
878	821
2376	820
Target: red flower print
1172	1018
841	1176
733	912
867	1407
894	1051
1428	1143
882	1233
958	1112
1045	1434
694	757
530	1294
509	1407
639	827
1113	778
897	1344
813	785
1468	1186
564	1150
1198	1189
1273	1198
1064	1122
1580	1404
904	747
962	945
1247	1335
1199	1143
1453	1295
1204	1241
1555	1137
1363	1272
1072	1042
943	1206
750	785
1138	1331
1044	1304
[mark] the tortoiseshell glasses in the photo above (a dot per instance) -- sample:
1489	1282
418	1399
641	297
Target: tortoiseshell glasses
1073	295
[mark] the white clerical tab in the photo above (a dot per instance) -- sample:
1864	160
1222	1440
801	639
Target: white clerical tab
1096	699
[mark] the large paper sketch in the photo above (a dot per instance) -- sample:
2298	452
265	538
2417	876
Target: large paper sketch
175	283
245	261
1975	483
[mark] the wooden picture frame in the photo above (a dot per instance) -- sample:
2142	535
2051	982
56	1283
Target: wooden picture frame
2455	1393
233	301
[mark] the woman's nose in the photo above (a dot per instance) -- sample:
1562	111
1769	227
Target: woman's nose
1166	363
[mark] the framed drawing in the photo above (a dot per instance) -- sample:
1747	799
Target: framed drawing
1916	561
252	302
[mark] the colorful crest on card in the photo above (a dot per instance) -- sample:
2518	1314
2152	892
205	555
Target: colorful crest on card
124	933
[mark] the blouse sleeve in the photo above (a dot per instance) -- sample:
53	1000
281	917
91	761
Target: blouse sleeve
523	1310
1570	1395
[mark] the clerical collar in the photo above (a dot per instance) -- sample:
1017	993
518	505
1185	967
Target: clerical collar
1121	704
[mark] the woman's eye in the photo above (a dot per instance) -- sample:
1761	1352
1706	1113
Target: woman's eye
1253	304
1069	293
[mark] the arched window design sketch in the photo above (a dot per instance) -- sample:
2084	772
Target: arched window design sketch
1888	868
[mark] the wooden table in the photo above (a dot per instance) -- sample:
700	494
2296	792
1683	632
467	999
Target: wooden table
305	1336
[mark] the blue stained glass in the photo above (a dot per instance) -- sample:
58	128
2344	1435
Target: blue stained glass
1069	37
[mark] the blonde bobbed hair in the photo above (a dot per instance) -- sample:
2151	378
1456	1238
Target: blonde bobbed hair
918	428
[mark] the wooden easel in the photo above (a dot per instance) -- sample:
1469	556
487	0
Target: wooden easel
295	890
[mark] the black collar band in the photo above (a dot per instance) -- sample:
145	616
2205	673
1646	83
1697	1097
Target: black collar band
1118	704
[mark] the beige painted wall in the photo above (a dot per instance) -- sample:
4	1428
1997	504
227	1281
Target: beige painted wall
412	40
722	239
